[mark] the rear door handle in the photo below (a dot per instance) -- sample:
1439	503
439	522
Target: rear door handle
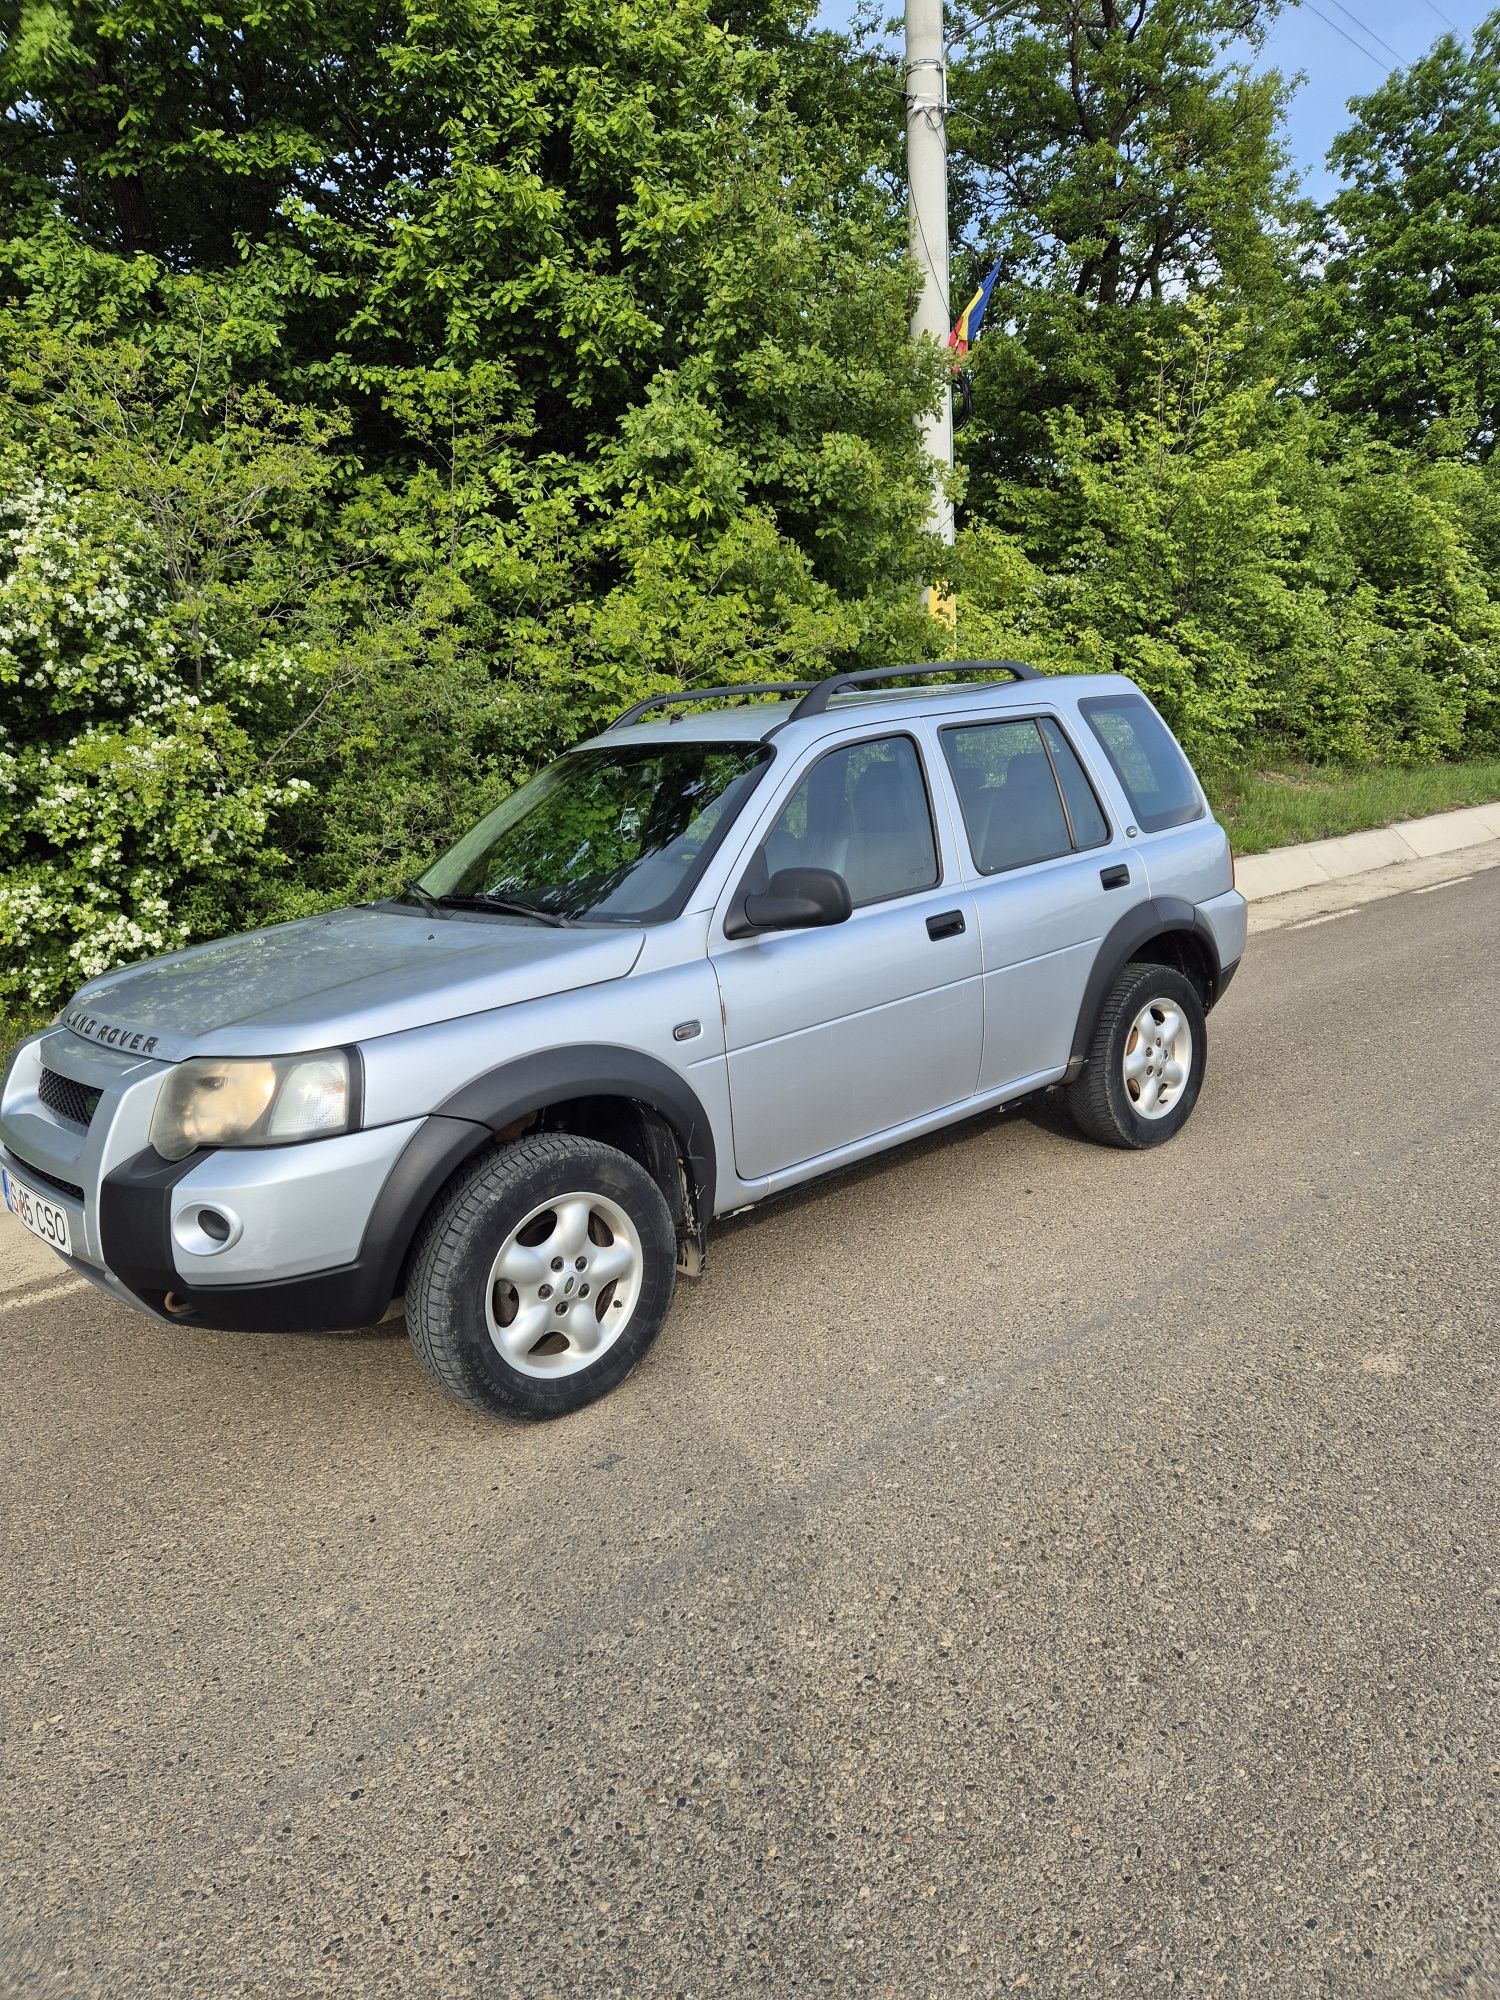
949	924
1116	877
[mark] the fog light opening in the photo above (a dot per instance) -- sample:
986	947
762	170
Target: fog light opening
206	1231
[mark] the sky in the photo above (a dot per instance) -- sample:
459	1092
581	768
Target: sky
1343	51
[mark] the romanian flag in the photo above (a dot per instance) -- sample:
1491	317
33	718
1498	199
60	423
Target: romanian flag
966	326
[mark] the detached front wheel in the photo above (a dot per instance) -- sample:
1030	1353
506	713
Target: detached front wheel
1145	1065
541	1277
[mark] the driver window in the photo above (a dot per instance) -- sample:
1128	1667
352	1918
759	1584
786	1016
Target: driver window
862	811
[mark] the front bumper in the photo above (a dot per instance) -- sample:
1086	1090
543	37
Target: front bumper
317	1232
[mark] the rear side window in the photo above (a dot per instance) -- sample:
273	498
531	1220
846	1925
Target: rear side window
1023	793
861	811
1146	760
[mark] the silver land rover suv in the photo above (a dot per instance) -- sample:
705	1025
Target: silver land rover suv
742	938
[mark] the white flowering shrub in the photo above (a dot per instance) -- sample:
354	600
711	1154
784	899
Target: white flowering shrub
135	811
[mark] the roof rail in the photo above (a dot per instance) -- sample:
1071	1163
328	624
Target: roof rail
816	700
816	695
733	691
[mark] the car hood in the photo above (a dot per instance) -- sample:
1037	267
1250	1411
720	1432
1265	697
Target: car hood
341	978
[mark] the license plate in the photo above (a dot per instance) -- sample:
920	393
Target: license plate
34	1212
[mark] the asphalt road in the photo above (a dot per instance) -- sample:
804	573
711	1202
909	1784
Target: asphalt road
1020	1566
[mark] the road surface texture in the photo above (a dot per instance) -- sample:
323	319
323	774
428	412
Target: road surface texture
1019	1567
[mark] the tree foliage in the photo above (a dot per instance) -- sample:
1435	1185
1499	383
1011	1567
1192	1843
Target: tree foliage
1122	148
1117	159
163	129
1407	321
389	395
1257	576
1155	483
485	364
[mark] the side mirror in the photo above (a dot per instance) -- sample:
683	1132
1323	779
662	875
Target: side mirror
800	899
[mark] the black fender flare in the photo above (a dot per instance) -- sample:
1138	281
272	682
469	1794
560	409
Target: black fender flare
1158	916
562	1075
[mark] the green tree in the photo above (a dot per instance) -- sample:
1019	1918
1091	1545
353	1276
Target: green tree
1117	159
588	374
170	130
1406	317
153	643
1255	571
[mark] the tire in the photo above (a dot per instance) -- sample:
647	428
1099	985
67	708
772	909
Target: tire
576	1226
1152	1102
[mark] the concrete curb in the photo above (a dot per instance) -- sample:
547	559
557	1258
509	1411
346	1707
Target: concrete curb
1313	861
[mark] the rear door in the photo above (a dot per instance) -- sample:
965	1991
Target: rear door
836	1035
1050	877
1185	850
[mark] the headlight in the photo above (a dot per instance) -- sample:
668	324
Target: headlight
251	1101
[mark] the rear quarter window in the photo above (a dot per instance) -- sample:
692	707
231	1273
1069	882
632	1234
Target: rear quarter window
1143	753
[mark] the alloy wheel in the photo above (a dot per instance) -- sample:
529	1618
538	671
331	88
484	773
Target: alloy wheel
1158	1058
564	1285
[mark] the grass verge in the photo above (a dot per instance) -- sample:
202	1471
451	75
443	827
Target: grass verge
1273	805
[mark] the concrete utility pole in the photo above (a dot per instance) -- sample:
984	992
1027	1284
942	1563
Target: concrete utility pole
927	210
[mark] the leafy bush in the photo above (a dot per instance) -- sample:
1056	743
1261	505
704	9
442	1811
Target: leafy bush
132	802
1254	568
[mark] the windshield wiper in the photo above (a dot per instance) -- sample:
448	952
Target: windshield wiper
506	908
429	903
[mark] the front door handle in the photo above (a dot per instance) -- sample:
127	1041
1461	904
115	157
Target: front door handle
949	924
1116	877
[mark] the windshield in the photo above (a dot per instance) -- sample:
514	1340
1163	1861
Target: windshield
607	834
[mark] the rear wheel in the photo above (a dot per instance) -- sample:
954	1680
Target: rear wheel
541	1277
1145	1064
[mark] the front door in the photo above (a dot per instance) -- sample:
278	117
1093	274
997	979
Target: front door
839	1034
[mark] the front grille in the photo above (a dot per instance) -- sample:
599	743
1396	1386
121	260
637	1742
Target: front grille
70	1100
31	1173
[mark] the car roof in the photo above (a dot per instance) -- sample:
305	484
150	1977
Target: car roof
752	722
